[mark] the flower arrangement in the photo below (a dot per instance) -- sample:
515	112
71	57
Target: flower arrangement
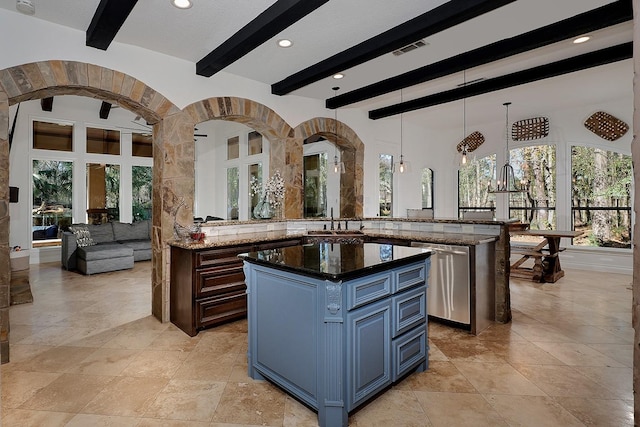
272	192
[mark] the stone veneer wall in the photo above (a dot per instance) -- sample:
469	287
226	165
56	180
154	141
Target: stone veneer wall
635	155
51	78
173	158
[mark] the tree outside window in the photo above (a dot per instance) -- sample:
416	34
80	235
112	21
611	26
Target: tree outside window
386	185
141	185
535	167
52	197
474	181
601	197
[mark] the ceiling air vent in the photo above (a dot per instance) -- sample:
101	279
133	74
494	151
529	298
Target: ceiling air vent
410	47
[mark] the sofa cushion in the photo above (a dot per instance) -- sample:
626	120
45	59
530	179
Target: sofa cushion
104	251
100	233
137	231
137	245
83	236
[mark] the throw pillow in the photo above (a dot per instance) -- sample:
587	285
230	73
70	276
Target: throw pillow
83	237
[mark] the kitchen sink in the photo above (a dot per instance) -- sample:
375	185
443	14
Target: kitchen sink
341	233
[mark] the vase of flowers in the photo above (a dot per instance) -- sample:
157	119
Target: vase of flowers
271	195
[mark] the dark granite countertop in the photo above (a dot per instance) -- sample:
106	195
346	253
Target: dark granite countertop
334	261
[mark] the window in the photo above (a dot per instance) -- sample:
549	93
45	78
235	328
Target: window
52	136
386	185
474	180
254	143
315	185
233	148
141	145
601	197
427	188
141	192
535	166
52	198
233	188
103	193
256	187
103	141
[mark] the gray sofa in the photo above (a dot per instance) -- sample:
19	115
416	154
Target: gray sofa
117	246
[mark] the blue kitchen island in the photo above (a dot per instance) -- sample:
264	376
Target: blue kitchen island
335	324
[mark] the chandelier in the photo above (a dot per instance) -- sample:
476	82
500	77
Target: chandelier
507	182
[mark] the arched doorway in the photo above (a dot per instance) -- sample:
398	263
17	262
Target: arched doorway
52	78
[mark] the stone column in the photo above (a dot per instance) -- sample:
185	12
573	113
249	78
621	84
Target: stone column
173	193
635	155
5	269
502	291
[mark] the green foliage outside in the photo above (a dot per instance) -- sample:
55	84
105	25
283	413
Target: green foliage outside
386	185
142	192
52	192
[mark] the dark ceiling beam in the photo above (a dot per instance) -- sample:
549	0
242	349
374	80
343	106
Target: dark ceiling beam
565	66
46	103
105	108
269	23
106	22
442	17
602	17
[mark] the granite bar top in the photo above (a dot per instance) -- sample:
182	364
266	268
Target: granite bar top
335	261
258	237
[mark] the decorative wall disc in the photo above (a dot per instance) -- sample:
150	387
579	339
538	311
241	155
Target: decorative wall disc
606	126
473	141
527	129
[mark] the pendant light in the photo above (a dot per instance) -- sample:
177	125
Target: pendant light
401	166
507	182
465	147
338	166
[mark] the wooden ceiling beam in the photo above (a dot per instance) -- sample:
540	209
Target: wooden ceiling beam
442	17
107	21
565	66
280	15
596	19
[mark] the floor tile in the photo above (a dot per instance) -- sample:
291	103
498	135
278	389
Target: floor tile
441	376
155	364
599	412
497	378
563	380
20	386
105	361
126	396
532	411
458	409
85	420
393	408
255	402
33	418
189	400
67	393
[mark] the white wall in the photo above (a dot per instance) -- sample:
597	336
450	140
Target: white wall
429	137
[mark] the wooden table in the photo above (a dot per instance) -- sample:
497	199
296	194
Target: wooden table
546	255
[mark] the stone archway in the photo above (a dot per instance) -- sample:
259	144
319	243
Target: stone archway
351	182
285	153
50	78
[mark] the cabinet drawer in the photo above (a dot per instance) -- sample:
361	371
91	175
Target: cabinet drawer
216	281
409	351
409	309
212	257
410	276
211	311
371	288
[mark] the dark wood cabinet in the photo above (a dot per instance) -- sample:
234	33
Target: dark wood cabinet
207	285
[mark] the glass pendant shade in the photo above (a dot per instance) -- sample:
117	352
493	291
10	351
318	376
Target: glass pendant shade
507	182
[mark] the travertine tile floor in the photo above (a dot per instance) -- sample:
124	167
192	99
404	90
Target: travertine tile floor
88	353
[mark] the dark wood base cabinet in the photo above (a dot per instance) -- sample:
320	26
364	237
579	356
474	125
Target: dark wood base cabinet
207	285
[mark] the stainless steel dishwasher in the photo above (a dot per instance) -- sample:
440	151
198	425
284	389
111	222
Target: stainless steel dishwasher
448	294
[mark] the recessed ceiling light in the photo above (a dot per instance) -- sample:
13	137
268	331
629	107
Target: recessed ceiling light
285	43
581	39
182	4
338	76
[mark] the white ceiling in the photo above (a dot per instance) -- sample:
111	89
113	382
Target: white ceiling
337	25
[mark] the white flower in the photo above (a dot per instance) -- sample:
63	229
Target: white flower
273	190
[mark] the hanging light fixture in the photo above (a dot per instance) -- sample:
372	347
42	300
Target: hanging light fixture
401	166
507	182
464	120
338	166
